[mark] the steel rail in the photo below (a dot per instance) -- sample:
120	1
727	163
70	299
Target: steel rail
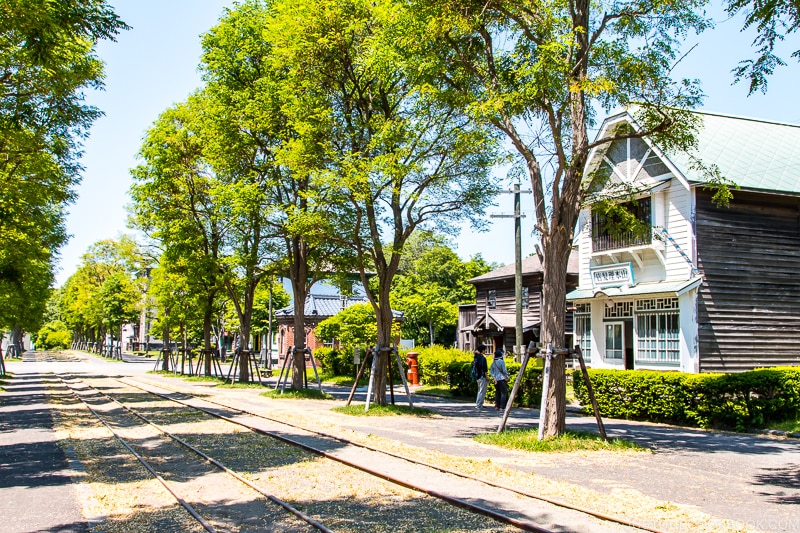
552	501
522	524
299	514
186	505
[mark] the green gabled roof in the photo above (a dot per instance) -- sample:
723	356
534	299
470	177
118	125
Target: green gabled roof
752	153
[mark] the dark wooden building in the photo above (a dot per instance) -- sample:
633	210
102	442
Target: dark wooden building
703	288
492	319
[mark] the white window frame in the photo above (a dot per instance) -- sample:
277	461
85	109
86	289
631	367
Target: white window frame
657	343
582	324
616	350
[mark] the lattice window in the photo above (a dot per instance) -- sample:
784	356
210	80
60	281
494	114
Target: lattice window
619	310
492	299
658	331
657	304
525	296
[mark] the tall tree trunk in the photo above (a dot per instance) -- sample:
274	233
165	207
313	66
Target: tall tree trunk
17	340
165	354
300	289
299	294
244	354
246	314
554	310
384	317
207	317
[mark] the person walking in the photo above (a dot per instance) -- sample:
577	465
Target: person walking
479	373
499	374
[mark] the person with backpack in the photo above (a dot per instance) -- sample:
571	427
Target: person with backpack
499	374
479	369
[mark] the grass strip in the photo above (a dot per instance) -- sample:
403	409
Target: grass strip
302	394
570	441
790	426
383	410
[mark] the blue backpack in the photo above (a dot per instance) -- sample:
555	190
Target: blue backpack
476	375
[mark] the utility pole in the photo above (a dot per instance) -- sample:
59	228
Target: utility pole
518	216
518	272
268	362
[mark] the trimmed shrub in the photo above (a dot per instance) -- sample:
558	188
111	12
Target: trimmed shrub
433	363
734	401
335	362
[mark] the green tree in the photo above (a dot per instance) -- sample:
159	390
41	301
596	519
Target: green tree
272	290
773	20
175	201
179	309
353	327
119	298
432	283
47	61
403	159
536	71
255	144
53	335
83	303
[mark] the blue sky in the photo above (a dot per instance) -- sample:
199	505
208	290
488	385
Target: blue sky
154	65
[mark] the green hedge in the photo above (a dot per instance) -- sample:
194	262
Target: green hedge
335	362
433	363
528	395
732	401
440	366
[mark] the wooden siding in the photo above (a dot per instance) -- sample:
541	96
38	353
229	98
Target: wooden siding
679	226
467	315
749	301
506	298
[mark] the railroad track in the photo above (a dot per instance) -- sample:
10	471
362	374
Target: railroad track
166	456
516	508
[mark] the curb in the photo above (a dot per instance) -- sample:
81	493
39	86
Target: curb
780	433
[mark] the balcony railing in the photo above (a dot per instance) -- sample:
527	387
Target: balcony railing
625	239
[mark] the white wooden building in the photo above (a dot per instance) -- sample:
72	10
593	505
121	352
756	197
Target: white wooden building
696	287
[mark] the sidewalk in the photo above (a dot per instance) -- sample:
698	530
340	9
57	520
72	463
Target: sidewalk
38	490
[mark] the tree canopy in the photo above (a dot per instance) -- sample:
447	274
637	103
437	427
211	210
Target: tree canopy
431	283
773	21
538	72
47	61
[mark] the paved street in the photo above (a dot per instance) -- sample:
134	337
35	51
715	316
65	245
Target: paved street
748	478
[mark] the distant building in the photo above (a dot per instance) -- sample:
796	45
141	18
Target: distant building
318	308
492	319
696	287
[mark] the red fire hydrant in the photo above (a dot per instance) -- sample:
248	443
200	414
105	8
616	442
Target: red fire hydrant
413	374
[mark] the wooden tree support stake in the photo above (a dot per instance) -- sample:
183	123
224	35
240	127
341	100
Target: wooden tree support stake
589	389
517	382
358	377
371	377
402	375
283	368
548	356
